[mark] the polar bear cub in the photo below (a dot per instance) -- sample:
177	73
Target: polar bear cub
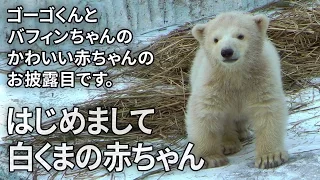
236	81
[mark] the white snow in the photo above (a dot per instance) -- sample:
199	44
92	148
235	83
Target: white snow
302	141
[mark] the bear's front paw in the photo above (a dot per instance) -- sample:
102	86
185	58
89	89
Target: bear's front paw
271	160
215	161
231	146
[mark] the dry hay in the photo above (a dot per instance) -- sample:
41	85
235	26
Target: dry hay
164	84
296	34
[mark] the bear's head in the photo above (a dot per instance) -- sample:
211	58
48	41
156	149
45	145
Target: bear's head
233	37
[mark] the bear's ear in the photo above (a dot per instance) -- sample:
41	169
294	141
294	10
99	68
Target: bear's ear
262	22
198	32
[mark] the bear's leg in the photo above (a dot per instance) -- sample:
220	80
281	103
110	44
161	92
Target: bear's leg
205	130
269	123
230	141
243	129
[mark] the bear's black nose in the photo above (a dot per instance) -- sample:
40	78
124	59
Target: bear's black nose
226	53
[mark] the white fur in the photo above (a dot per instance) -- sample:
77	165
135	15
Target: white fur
225	96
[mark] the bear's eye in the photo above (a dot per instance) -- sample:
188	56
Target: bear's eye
240	36
215	40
